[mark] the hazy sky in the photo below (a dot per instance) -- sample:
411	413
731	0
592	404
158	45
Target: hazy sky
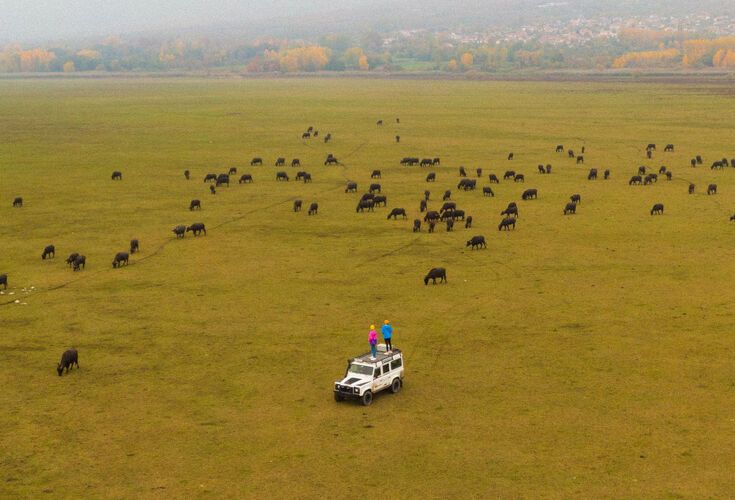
44	19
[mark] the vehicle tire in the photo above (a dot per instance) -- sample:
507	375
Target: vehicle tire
396	385
367	398
338	397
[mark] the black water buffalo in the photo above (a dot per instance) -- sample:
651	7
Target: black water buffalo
450	225
699	159
560	148
476	242
68	360
509	174
396	212
519	178
70	260
327	138
134	246
398	138
548	169
493	179
427	194
449	205
195	204
712	189
717	166
17	202
669	175
232	171
449	214
732	218
422	206
432	225
636	179
651	147
510	156
541	169
650	179
367	196
437	273
116	175
468	222
281	176
580	159
48	252
300	175
80	262
4	281
431	177
363	205
245	178
179	231
478	171
409	161
606	175
431	215
510	211
437	161
416	226
306	177
351	187
458	214
507	223
295	162
571	154
642	170
658	209
380	200
693	163
121	258
197	228
280	162
379	123
462	172
331	160
376	174
212	189
662	170
306	135
467	184
592	176
186	174
313	209
649	154
223	179
486	191
691	188
570	208
210	177
374	188
530	194
426	162
447	195
297	205
256	161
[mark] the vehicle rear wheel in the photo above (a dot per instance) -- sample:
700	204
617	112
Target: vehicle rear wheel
396	385
338	397
367	398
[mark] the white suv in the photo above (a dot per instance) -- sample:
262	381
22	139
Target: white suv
366	376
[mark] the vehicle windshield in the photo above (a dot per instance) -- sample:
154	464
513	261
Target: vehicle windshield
360	369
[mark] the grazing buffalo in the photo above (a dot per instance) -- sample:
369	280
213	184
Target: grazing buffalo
210	177
351	187
134	246
297	205
280	162
427	194
712	189
662	170
179	231
380	200
416	226
510	156
431	215
467	184
691	188
592	176
121	258
548	169
376	174
530	194
658	209
570	208
223	179
331	160
422	206
507	223
478	171
576	198
450	225
409	161
431	177
468	222
306	177
295	162
245	178
195	204
379	123
580	159
437	161
327	138
212	189
313	209
281	176
649	154
668	175
197	228
636	179
699	159
70	260
18	202
432	225
717	166
68	360
519	178
541	169
437	273
363	205
367	196
116	175
732	218
449	214
560	148
426	162
306	135
398	138
80	262
493	179
232	171
642	170
186	174
510	211
374	188
606	175
486	191
449	205
571	154
509	174
462	172
447	195
693	163
476	242
458	214
48	252
256	161
4	281
300	175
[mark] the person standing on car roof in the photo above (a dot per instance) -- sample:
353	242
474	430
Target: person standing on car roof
387	332
373	339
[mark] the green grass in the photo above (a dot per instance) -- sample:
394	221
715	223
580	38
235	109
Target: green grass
589	355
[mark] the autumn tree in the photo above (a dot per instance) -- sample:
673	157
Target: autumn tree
467	60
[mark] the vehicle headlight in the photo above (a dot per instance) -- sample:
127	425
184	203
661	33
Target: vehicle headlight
356	389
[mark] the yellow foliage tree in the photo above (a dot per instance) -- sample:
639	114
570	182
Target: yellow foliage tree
452	65
35	59
88	54
363	63
467	60
311	58
647	58
69	67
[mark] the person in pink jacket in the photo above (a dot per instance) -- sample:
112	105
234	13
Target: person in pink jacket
373	339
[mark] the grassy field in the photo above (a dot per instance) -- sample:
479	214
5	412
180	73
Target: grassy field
587	355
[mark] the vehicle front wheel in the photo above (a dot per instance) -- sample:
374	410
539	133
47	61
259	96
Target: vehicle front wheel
367	398
396	385
338	397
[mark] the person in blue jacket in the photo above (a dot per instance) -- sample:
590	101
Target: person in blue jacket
387	332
